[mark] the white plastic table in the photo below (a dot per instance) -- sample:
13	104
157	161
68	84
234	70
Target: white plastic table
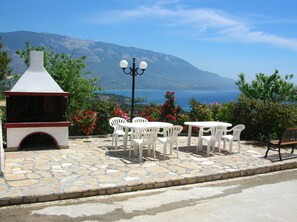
141	125
202	125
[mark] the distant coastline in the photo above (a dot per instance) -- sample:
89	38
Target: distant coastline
182	97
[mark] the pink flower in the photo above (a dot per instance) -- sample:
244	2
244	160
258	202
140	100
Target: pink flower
172	117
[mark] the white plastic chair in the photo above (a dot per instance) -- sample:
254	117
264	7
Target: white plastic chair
216	135
145	136
233	137
117	130
170	136
139	120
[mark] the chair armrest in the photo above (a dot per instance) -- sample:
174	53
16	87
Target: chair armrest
274	142
206	131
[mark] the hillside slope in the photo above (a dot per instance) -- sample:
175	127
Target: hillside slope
164	71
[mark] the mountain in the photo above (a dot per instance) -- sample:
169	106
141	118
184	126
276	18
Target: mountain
102	59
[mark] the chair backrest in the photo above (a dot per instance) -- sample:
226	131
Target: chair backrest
172	132
139	120
237	131
114	122
218	133
149	134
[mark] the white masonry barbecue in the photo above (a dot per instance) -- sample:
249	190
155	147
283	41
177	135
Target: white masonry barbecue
36	105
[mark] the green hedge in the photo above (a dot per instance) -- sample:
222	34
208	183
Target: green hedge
263	120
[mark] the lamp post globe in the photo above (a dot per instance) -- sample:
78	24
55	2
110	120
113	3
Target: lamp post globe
143	65
123	64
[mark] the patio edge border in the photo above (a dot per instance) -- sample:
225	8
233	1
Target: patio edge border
145	186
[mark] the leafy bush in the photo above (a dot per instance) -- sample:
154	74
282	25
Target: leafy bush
263	120
266	106
223	112
152	113
183	117
105	110
211	112
200	111
269	88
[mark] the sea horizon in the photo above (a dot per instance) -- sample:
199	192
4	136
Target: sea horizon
182	97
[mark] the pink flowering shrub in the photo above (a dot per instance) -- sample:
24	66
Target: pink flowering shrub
172	113
120	113
85	121
168	110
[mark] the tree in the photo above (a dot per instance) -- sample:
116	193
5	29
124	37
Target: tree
5	70
272	88
68	72
266	106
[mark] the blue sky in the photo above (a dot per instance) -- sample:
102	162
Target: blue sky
222	36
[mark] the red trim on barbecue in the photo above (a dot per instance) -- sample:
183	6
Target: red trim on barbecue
37	124
10	93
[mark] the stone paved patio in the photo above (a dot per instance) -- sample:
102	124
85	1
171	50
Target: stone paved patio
91	167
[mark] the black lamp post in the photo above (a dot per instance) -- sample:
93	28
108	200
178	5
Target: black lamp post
133	72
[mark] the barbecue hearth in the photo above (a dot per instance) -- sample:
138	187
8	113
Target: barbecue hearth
36	105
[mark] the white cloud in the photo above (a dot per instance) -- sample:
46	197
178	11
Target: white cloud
200	22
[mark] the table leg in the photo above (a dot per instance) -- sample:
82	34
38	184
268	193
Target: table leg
213	142
200	134
225	133
136	148
125	138
189	135
149	150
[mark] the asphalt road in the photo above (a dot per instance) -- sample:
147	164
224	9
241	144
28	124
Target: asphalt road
267	197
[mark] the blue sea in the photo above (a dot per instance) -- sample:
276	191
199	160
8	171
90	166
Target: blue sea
182	97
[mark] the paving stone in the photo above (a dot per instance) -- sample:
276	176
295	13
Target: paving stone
107	185
3	189
131	178
44	173
69	179
22	171
158	170
18	160
14	176
22	183
49	180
